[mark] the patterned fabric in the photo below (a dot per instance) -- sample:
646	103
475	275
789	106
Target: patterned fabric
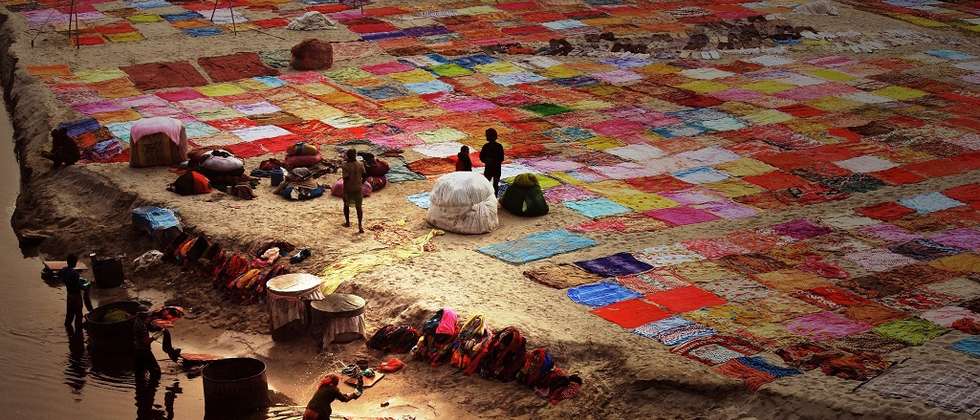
944	384
673	331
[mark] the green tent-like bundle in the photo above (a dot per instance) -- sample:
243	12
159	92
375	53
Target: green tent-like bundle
524	197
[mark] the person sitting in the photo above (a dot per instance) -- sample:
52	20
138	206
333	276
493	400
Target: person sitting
64	151
463	162
319	406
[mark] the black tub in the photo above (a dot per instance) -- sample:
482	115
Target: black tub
115	336
235	386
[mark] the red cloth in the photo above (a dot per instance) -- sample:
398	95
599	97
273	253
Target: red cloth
237	66
653	184
685	299
631	313
897	176
885	211
969	193
164	75
777	180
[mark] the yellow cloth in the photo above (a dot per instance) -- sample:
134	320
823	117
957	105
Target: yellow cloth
899	93
95	76
768	116
220	89
833	103
745	167
704	86
734	188
828	74
967	262
317	112
413	76
498	67
560	72
590	105
350	267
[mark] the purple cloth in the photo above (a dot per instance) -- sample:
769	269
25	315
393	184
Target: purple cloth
965	238
679	216
620	264
801	229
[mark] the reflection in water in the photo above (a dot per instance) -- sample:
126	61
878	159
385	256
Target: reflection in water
77	368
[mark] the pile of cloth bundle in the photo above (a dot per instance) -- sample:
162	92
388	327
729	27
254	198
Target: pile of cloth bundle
241	276
474	347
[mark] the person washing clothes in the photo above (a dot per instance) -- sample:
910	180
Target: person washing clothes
492	156
319	406
143	359
353	173
78	293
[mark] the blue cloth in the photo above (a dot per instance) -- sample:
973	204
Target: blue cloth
382	35
79	127
760	364
537	246
399	172
154	218
176	17
969	345
600	294
595	208
929	202
205	31
421	199
615	265
431	86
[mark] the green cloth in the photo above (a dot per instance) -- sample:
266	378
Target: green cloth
546	109
524	197
912	331
450	70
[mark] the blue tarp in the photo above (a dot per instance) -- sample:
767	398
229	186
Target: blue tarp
153	219
537	246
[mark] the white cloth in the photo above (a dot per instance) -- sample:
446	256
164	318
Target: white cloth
463	202
311	21
334	327
284	309
173	128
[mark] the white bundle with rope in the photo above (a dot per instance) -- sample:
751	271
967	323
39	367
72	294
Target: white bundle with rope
311	21
463	202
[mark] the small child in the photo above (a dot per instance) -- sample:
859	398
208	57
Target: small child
463	162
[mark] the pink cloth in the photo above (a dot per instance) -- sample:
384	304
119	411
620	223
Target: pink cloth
166	125
447	325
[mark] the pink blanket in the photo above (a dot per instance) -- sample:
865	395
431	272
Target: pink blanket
166	125
447	325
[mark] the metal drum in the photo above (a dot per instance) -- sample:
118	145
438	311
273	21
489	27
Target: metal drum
235	386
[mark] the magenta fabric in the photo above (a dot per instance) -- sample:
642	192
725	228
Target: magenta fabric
178	95
825	326
679	216
147	126
800	229
447	325
965	238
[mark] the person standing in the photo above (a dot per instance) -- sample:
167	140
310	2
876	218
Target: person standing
143	359
492	156
463	162
353	175
319	406
78	293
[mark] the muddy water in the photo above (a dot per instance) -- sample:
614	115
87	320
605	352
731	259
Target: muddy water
46	372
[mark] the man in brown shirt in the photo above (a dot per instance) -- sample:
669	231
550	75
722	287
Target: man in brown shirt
353	173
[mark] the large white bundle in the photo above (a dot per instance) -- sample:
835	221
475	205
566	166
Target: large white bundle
463	202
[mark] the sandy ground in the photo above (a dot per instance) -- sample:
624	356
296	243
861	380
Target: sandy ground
625	375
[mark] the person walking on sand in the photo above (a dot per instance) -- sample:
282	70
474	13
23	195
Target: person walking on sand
78	293
319	406
353	175
492	156
463	162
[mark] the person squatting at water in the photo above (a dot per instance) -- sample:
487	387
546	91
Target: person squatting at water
78	293
64	151
319	406
143	359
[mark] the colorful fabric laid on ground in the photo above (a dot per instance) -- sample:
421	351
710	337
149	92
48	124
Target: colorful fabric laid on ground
560	276
537	246
969	345
941	383
912	331
600	294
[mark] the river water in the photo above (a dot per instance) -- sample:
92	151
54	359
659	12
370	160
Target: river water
44	372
